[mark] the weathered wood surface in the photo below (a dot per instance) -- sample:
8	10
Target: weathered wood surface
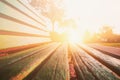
89	68
110	62
56	68
18	66
21	26
50	62
113	51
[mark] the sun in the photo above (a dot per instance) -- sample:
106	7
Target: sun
74	36
71	35
72	28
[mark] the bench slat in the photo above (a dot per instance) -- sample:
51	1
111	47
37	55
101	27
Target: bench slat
7	41
18	6
16	27
9	11
98	70
111	62
56	68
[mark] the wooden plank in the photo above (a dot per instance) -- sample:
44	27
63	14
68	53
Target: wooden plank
12	50
81	70
10	25
7	41
10	13
18	6
20	26
113	51
111	62
21	67
56	68
98	70
4	32
10	59
29	7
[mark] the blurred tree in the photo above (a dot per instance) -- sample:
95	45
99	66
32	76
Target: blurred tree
106	34
53	9
87	36
69	23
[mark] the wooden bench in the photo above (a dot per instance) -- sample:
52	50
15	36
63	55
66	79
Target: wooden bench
20	25
109	61
112	51
54	68
89	68
23	63
22	30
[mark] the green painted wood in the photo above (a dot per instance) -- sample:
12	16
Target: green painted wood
24	62
55	68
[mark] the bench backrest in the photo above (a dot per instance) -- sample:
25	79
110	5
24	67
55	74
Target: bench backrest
21	25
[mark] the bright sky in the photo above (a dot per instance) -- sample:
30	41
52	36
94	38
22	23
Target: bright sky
93	14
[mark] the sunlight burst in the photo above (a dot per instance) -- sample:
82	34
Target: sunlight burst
74	36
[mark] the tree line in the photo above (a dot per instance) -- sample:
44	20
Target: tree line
105	34
53	9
